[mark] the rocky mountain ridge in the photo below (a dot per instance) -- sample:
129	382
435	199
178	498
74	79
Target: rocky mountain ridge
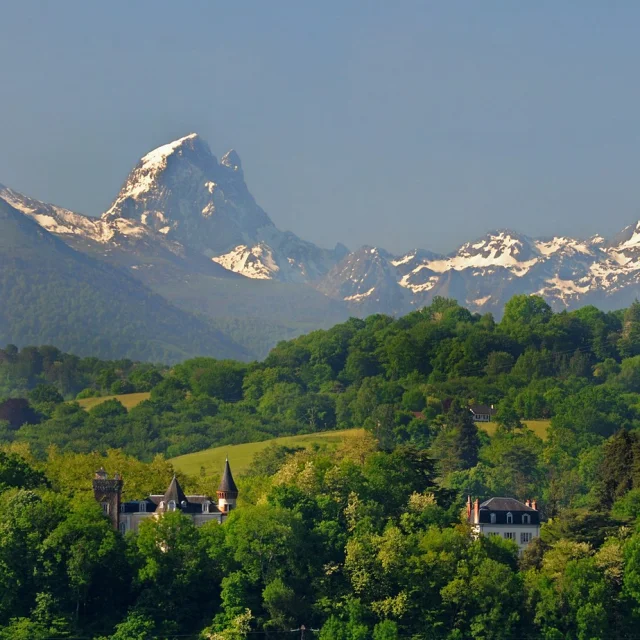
180	206
485	273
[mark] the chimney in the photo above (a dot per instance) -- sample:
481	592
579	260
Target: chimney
527	502
476	511
469	508
534	505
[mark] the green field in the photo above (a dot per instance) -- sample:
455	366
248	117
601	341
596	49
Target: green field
539	427
241	455
129	400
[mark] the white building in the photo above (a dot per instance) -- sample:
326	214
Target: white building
127	516
505	517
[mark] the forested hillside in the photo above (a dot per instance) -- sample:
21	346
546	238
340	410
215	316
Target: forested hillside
363	543
397	377
53	294
354	544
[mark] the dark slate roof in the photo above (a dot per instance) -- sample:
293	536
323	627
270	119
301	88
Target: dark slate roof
174	492
505	504
481	408
500	507
133	506
227	484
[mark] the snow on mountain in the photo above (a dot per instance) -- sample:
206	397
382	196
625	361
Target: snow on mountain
180	201
254	262
181	191
367	281
77	228
485	273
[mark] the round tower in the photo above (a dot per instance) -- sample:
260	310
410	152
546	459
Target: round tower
227	491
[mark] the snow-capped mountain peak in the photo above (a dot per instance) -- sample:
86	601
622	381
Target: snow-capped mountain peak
179	199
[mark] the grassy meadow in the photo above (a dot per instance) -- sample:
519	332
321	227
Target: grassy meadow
129	400
241	455
539	427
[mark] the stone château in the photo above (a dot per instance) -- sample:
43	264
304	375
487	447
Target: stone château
127	516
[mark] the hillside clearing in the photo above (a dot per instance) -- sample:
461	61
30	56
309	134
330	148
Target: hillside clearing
129	400
539	427
241	455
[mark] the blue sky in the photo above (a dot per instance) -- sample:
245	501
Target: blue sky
396	124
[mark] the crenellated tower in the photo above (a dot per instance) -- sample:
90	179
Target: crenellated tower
108	493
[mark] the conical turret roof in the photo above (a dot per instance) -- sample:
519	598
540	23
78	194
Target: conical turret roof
175	492
227	483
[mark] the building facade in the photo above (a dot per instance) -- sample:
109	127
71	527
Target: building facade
482	412
505	517
127	516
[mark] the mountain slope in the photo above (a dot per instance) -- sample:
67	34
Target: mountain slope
181	191
53	294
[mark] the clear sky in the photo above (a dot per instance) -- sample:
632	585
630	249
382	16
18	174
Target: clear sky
396	124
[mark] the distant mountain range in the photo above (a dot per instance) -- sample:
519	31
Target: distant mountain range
186	227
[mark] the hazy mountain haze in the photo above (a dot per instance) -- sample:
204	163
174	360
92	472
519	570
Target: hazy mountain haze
422	124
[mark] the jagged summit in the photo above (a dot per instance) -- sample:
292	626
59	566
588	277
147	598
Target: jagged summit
178	197
232	160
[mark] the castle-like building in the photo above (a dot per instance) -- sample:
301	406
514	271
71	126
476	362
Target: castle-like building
127	516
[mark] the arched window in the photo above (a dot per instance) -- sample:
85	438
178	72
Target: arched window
526	519
172	505
142	507
493	518
123	528
105	508
205	507
509	518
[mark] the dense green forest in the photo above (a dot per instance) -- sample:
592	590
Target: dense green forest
363	543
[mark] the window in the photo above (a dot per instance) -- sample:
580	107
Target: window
509	518
525	537
123	528
142	507
172	505
509	535
205	507
493	518
526	519
105	508
122	508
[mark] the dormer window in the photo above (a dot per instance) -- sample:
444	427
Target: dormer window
142	507
526	519
509	518
171	505
205	507
122	508
493	518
